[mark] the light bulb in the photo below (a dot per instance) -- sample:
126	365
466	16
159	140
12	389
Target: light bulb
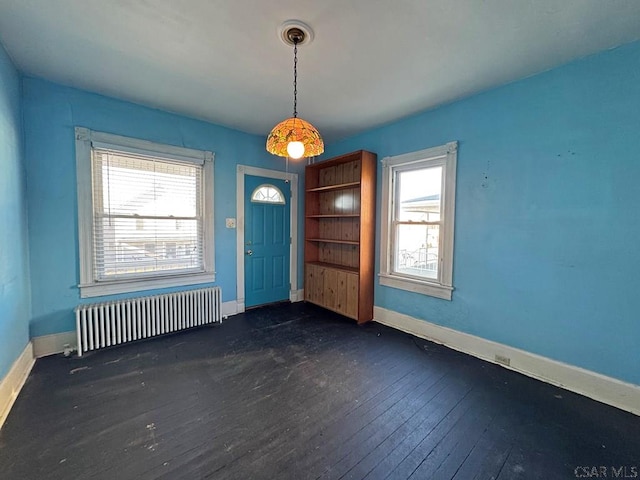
295	149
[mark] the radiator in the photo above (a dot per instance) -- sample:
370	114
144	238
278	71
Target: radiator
102	325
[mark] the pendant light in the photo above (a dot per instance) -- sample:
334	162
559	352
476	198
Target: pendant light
295	137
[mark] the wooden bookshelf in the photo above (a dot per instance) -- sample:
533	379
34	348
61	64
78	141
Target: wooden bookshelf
340	233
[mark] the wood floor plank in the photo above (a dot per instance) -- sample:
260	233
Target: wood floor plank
406	456
330	424
269	426
295	392
373	430
489	454
448	455
435	402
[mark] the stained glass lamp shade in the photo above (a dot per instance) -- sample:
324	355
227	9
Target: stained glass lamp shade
295	137
292	130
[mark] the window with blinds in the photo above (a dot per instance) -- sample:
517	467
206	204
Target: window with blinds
147	216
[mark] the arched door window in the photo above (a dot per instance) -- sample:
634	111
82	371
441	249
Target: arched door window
267	193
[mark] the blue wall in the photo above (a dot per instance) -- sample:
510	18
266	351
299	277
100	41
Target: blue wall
547	205
547	252
50	114
14	261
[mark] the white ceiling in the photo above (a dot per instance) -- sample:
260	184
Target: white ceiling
371	62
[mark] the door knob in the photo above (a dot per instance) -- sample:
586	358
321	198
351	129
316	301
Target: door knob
249	252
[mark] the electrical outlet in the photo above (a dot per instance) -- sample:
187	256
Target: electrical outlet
230	222
503	360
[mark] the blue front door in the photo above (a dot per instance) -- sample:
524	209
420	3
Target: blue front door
267	240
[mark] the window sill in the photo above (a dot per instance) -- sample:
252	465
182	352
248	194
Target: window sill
127	286
426	288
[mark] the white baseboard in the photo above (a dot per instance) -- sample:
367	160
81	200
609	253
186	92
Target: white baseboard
296	295
231	308
235	307
11	385
55	343
611	391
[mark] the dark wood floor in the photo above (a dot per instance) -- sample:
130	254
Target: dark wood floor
295	392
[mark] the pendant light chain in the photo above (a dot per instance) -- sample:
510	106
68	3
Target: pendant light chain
295	78
295	137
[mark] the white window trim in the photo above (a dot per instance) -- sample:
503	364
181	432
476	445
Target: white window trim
445	155
88	286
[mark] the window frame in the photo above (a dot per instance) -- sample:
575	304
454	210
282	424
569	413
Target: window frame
445	156
89	286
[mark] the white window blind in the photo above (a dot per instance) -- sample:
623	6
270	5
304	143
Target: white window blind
148	216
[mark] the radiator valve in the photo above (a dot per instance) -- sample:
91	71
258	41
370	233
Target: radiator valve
67	350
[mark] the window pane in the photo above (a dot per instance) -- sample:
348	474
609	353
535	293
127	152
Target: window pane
418	194
147	187
158	247
416	251
267	194
147	216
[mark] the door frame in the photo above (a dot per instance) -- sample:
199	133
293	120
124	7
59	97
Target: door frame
241	171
